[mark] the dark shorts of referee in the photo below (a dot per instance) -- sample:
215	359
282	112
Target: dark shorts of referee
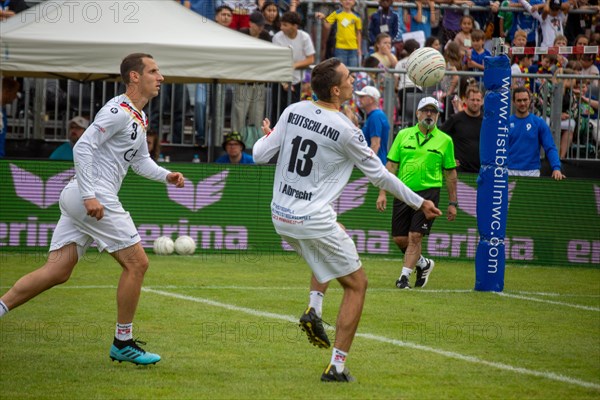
405	219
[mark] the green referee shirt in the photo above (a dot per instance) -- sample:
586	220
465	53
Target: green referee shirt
422	160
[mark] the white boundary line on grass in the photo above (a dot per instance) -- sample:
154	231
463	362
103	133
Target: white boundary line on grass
450	354
559	303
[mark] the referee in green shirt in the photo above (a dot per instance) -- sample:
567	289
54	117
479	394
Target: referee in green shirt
420	156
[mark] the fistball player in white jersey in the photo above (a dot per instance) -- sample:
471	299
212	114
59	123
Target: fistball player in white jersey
318	147
90	206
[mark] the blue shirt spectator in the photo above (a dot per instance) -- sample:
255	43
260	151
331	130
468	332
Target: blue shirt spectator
384	20
527	132
234	151
376	128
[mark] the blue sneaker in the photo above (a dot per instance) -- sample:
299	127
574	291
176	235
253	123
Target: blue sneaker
128	350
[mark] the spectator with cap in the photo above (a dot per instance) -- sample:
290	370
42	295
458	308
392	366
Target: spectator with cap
421	156
64	152
234	148
376	127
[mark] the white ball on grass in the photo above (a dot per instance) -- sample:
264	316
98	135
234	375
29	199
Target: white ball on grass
426	67
163	246
185	245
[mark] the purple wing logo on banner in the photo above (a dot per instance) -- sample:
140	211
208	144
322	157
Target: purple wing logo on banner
203	194
32	188
352	196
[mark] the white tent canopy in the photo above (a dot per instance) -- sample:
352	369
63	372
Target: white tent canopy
88	40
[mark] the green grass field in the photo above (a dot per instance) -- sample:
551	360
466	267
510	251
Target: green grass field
226	328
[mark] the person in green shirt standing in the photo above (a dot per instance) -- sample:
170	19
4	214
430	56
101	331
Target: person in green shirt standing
421	156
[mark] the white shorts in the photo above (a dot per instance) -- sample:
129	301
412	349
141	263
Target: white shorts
329	257
115	231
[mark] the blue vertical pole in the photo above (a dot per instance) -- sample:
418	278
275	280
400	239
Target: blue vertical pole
492	183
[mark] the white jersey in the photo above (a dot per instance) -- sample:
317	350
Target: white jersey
302	47
113	142
318	148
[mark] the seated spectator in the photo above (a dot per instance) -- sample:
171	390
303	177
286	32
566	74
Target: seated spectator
153	142
383	51
234	148
64	152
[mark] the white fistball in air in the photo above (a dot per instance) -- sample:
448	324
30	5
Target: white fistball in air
426	67
185	245
164	246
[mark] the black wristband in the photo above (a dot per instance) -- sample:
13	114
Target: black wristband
453	203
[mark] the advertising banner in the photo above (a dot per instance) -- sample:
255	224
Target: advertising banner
227	209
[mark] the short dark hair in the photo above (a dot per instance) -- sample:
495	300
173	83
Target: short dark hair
291	17
223	7
325	76
521	89
133	62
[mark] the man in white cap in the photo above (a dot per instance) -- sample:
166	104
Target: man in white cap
376	127
420	156
64	152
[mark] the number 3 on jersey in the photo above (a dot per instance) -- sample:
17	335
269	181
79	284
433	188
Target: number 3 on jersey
307	149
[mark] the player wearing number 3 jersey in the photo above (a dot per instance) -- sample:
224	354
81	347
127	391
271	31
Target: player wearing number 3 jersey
90	207
318	148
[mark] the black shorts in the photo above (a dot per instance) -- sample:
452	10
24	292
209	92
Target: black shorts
405	219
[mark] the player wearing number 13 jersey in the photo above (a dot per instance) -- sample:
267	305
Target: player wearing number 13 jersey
90	207
318	148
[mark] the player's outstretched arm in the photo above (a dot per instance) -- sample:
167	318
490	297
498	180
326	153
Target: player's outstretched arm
176	178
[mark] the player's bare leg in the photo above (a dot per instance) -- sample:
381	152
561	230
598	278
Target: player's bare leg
355	288
134	262
56	270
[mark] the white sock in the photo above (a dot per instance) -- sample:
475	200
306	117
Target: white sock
338	359
3	308
422	262
315	300
406	272
124	331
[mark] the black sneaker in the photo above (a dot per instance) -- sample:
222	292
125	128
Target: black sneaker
313	326
402	283
331	375
423	273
